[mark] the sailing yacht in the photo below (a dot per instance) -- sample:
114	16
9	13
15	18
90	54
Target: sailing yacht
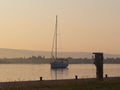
57	62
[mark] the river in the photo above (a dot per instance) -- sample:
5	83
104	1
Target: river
28	72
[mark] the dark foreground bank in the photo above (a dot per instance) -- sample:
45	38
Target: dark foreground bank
80	84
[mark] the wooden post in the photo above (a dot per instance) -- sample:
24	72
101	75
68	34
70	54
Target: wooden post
106	76
76	77
40	78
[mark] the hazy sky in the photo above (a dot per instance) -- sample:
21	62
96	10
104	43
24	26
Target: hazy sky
84	25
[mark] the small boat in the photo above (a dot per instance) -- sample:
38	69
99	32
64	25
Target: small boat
57	62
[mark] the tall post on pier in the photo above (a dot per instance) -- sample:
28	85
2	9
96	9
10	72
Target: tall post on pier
98	61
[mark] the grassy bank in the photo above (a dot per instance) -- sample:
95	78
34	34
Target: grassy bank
68	85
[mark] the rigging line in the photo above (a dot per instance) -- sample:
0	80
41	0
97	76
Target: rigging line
54	44
56	39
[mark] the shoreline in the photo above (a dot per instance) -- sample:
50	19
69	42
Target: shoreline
52	82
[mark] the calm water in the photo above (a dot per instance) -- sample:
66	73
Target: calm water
20	72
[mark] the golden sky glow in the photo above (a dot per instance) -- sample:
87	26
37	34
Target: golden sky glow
85	25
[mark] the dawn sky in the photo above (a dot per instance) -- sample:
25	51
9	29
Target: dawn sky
84	25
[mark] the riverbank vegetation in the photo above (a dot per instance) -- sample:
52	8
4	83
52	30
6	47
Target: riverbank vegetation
43	60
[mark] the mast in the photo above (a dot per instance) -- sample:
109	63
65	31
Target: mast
56	38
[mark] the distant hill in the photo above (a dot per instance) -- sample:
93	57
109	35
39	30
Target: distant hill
13	53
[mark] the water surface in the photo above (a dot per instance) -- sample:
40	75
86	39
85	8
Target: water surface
20	72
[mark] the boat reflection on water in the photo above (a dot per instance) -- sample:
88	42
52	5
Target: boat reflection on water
58	74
